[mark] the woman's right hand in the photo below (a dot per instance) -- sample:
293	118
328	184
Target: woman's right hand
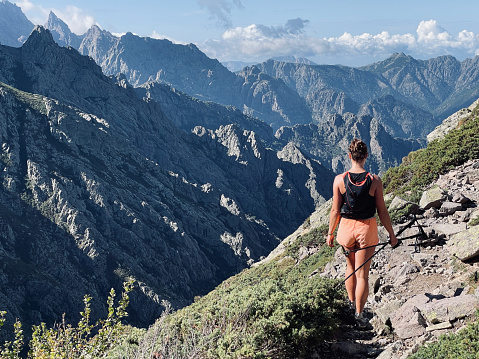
330	240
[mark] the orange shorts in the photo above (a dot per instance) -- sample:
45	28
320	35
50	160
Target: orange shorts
357	233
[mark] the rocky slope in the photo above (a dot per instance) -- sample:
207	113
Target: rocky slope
417	293
99	186
329	141
406	117
15	27
426	287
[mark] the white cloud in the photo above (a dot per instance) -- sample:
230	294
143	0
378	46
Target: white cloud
158	36
259	42
76	19
220	10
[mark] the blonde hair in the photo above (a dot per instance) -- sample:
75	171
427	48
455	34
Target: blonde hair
358	150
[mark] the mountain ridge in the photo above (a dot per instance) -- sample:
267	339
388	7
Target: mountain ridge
121	192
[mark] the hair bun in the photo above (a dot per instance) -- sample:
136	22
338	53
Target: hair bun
358	150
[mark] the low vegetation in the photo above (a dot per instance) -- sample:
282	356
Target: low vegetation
422	167
274	310
462	345
86	340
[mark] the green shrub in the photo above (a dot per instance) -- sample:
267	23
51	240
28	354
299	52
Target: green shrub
462	345
275	310
422	167
66	341
314	238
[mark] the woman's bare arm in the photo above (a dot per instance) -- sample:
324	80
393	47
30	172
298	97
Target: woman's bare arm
334	215
383	211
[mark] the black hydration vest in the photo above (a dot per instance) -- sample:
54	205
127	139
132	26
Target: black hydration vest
357	202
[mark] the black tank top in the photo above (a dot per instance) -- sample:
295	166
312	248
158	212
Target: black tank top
357	202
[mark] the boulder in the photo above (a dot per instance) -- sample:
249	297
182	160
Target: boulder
465	245
449	208
414	327
460	198
450	309
433	197
408	321
449	229
399	204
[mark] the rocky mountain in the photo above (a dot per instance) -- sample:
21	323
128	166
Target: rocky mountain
187	112
329	141
407	117
399	90
15	26
189	70
62	33
99	186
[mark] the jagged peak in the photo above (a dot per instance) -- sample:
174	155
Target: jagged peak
292	153
39	35
11	5
52	16
95	29
54	22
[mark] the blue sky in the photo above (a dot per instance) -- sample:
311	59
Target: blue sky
344	32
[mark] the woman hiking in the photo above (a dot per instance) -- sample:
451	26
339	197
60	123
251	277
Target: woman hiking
357	195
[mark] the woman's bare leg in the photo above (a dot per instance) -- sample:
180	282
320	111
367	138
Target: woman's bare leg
351	282
362	276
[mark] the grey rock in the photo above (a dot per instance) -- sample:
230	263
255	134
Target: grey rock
449	208
439	326
407	321
449	229
433	197
465	245
411	328
450	309
398	204
432	213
